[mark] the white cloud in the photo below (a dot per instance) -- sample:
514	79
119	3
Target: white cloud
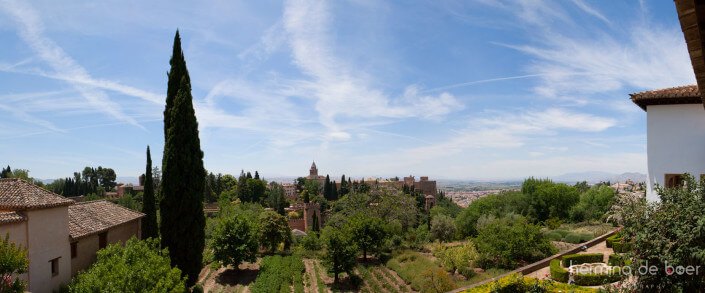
592	11
340	89
31	30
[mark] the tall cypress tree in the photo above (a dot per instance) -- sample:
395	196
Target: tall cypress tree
327	193
149	208
183	175
334	191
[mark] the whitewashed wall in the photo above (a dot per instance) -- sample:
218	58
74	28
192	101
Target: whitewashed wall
675	142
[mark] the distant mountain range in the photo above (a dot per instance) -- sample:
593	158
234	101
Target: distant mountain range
593	177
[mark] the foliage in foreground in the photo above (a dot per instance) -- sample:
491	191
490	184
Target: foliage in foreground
139	266
13	262
278	273
517	283
667	234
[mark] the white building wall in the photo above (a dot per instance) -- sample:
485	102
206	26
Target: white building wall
675	143
48	231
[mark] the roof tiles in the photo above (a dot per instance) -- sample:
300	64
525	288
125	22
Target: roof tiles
11	217
676	95
18	194
93	217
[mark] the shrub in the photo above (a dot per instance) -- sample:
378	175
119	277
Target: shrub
597	279
453	258
467	272
557	272
13	261
518	283
138	266
618	260
437	281
562	232
311	242
554	236
553	223
576	238
577	259
621	246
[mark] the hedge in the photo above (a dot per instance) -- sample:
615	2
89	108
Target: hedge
562	232
576	238
609	241
577	259
617	259
557	272
554	236
597	279
620	247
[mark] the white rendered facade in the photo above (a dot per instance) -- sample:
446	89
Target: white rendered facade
675	143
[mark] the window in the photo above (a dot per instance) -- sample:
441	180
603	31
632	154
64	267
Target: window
73	249
102	240
673	180
54	266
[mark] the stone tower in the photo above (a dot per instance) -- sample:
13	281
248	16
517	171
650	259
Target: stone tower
313	172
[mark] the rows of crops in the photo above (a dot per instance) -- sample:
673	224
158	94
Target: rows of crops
278	274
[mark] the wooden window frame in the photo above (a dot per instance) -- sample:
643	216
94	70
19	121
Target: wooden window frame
54	264
673	180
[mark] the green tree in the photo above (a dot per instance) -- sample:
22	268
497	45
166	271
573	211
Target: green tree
275	197
149	206
6	172
129	202
183	222
442	228
593	204
327	191
341	253
506	243
274	229
13	262
256	175
91	196
305	196
234	240
367	233
257	189
334	191
138	266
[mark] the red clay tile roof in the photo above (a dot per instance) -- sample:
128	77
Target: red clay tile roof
688	94
17	194
93	217
11	217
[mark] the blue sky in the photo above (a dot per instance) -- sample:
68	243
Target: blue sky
461	89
